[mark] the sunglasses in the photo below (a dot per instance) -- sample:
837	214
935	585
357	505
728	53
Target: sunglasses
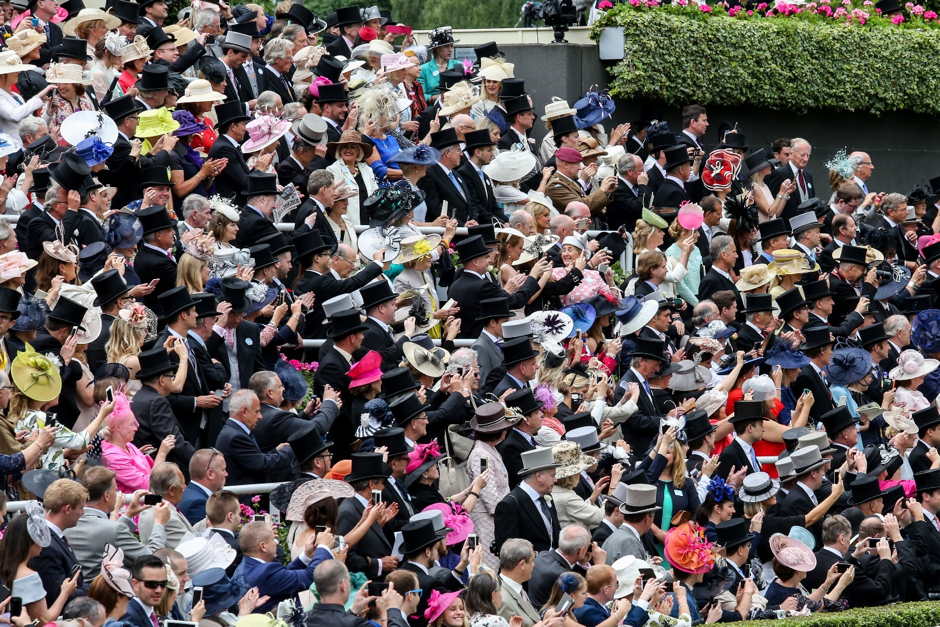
153	585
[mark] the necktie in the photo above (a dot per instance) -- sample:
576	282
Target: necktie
547	514
453	179
192	363
286	86
45	28
234	80
153	619
802	181
936	522
754	461
646	386
229	335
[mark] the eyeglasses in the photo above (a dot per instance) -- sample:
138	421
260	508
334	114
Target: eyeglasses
325	456
136	118
4	319
153	585
417	591
211	457
7	387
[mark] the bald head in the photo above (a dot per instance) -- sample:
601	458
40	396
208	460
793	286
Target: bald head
562	226
461	123
577	210
346	251
519	220
863	166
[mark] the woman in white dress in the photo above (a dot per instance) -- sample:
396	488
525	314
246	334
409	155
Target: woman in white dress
12	107
494	71
350	166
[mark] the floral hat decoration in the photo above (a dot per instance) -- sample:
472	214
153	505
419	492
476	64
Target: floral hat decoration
420	459
688	550
114	573
720	170
36	376
438	603
36	524
93	151
720	490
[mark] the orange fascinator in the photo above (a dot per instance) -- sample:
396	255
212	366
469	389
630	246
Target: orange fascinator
688	550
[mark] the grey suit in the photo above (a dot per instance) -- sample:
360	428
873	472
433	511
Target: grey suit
176	527
95	529
624	542
489	355
514	605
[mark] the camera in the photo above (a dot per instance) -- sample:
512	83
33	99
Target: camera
559	14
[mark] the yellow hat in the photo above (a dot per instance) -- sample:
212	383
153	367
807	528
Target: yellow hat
789	261
36	376
156	122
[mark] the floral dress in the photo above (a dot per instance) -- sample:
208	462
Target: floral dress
590	286
58	109
488	620
64	438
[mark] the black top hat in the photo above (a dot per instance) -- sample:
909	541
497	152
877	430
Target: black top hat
10	301
120	108
72	48
635	477
524	401
818	206
511	88
838	419
791	437
345	323
816	337
348	15
309	243
126	11
419	535
872	334
578	420
518	105
927	480
376	293
366	466
248	27
109	286
517	350
394	440
855	254
175	301
262	256
915	304
756	161
817	290
697	425
69	312
331	68
45	147
234	291
676	155
758	302
494	309
646	347
734	140
72	7
660	141
154	362
397	381
564	125
487	231
91	261
155	218
153	77
157	36
332	93
733	533
747	411
790	301
471	248
307	445
406	408
489	49
261	184
477	139
773	228
449	78
206	306
865	488
299	14
444	138
926	417
42	180
153	177
278	243
229	113
70	173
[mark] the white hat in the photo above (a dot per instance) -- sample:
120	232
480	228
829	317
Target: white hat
628	569
205	552
200	90
557	108
85	124
90	15
10	62
510	165
59	73
550	327
542	199
648	311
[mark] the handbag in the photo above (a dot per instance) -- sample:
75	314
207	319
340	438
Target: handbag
454	478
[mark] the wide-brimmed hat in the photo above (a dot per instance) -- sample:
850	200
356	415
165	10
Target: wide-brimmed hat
188	124
816	337
550	327
155	122
911	365
200	90
38	481
154	362
860	256
11	63
137	49
757	487
690	376
123	230
441	36
792	553
462	96
264	131
428	362
849	365
753	277
365	371
25	41
510	165
209	550
492	417
634	314
349	138
571	461
788	262
62	73
313	492
182	35
366	466
35	375
687	549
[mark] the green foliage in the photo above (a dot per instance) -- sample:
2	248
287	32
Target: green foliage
678	55
923	614
422	14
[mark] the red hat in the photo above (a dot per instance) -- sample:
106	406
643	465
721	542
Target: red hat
367	34
367	370
568	155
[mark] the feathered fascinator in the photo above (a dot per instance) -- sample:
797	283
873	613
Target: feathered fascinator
115	44
688	550
720	169
115	575
720	490
843	165
744	216
36	524
925	332
544	394
377	103
202	248
93	150
421	454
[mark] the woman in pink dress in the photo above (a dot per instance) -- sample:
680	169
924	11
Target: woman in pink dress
131	464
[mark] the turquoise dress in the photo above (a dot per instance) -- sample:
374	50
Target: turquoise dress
430	77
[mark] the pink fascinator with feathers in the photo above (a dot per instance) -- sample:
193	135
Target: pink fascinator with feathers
113	571
437	603
456	518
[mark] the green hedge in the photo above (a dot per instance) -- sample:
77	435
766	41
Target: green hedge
422	14
679	55
925	614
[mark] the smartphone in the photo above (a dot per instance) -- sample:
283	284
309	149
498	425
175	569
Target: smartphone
152	499
339	544
564	604
75	569
197	595
110	394
376	588
841	567
645	575
35	22
376	497
153	283
16	606
259	518
873	543
603	268
484	464
51	420
218	393
74	330
472	541
4	593
321	528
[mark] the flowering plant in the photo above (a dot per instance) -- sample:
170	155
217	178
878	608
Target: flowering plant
307	370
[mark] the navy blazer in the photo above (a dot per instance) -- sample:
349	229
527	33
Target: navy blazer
245	461
54	565
591	613
136	616
193	505
281	582
549	565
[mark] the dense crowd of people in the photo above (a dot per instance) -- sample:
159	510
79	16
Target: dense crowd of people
320	255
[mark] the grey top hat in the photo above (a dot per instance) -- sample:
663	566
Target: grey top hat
538	459
803	222
807	459
757	487
784	468
517	328
436	518
639	499
619	495
584	436
337	304
819	439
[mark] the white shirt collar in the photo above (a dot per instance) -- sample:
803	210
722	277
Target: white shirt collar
52	526
491	336
721	272
380	323
162	251
201	487
747	447
515	586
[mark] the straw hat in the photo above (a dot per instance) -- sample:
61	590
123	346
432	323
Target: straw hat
872	255
788	261
59	73
900	420
90	15
495	69
137	49
36	376
264	131
379	47
557	108
200	90
154	122
25	41
754	277
11	63
417	246
183	35
572	461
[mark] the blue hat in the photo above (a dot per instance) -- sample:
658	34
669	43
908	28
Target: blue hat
594	108
730	361
218	591
782	355
629	307
32	314
91	259
848	365
269	297
123	230
583	316
295	388
93	150
419	154
925	331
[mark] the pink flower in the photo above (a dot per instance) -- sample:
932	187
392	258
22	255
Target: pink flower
930	15
734	11
634	3
705	8
840	12
256	499
604	5
918	10
750	12
897	19
762	6
909	5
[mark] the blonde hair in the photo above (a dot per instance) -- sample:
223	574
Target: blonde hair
125	341
678	465
82	30
64	492
19	404
379	104
189	273
568	483
537	210
641	233
751	509
676	231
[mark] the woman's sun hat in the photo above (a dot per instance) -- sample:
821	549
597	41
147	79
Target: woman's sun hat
200	90
792	553
25	41
90	15
35	375
66	73
754	277
155	122
572	461
687	549
848	366
510	165
911	365
264	131
189	125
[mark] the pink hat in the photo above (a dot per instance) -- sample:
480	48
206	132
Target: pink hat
365	371
456	518
792	553
438	603
395	62
263	132
568	155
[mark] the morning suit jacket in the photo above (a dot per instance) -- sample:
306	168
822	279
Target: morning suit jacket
379	340
603	531
277	426
54	565
670	194
470	290
252	227
517	516
95	352
864	590
507	383
193	505
734	455
136	616
515	605
369	551
95	529
291	171
642	427
89	229
233	180
511	450
216	375
150	264
549	565
438	187
337	616
809	379
846	329
273	82
248	351
406	510
918	457
785	173
482	198
489	355
245	462
22	225
157	421
327	286
716	282
42	228
845	297
926	540
339	48
280	582
191	418
624	542
627	205
798	503
750	338
332	371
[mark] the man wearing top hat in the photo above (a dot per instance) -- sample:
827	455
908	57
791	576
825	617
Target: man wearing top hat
634	537
479	147
821	303
526	512
373	553
395	491
216	374
443	183
349	21
473	287
240	350
37	194
809	467
928	437
250	73
924	528
648	356
699	433
493	312
759	315
346	331
521	437
155	260
674	190
152	86
748	424
850	281
378	301
312	461
774	235
233	180
57	338
309	132
61	213
334	107
735	540
112	292
236	51
254	222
